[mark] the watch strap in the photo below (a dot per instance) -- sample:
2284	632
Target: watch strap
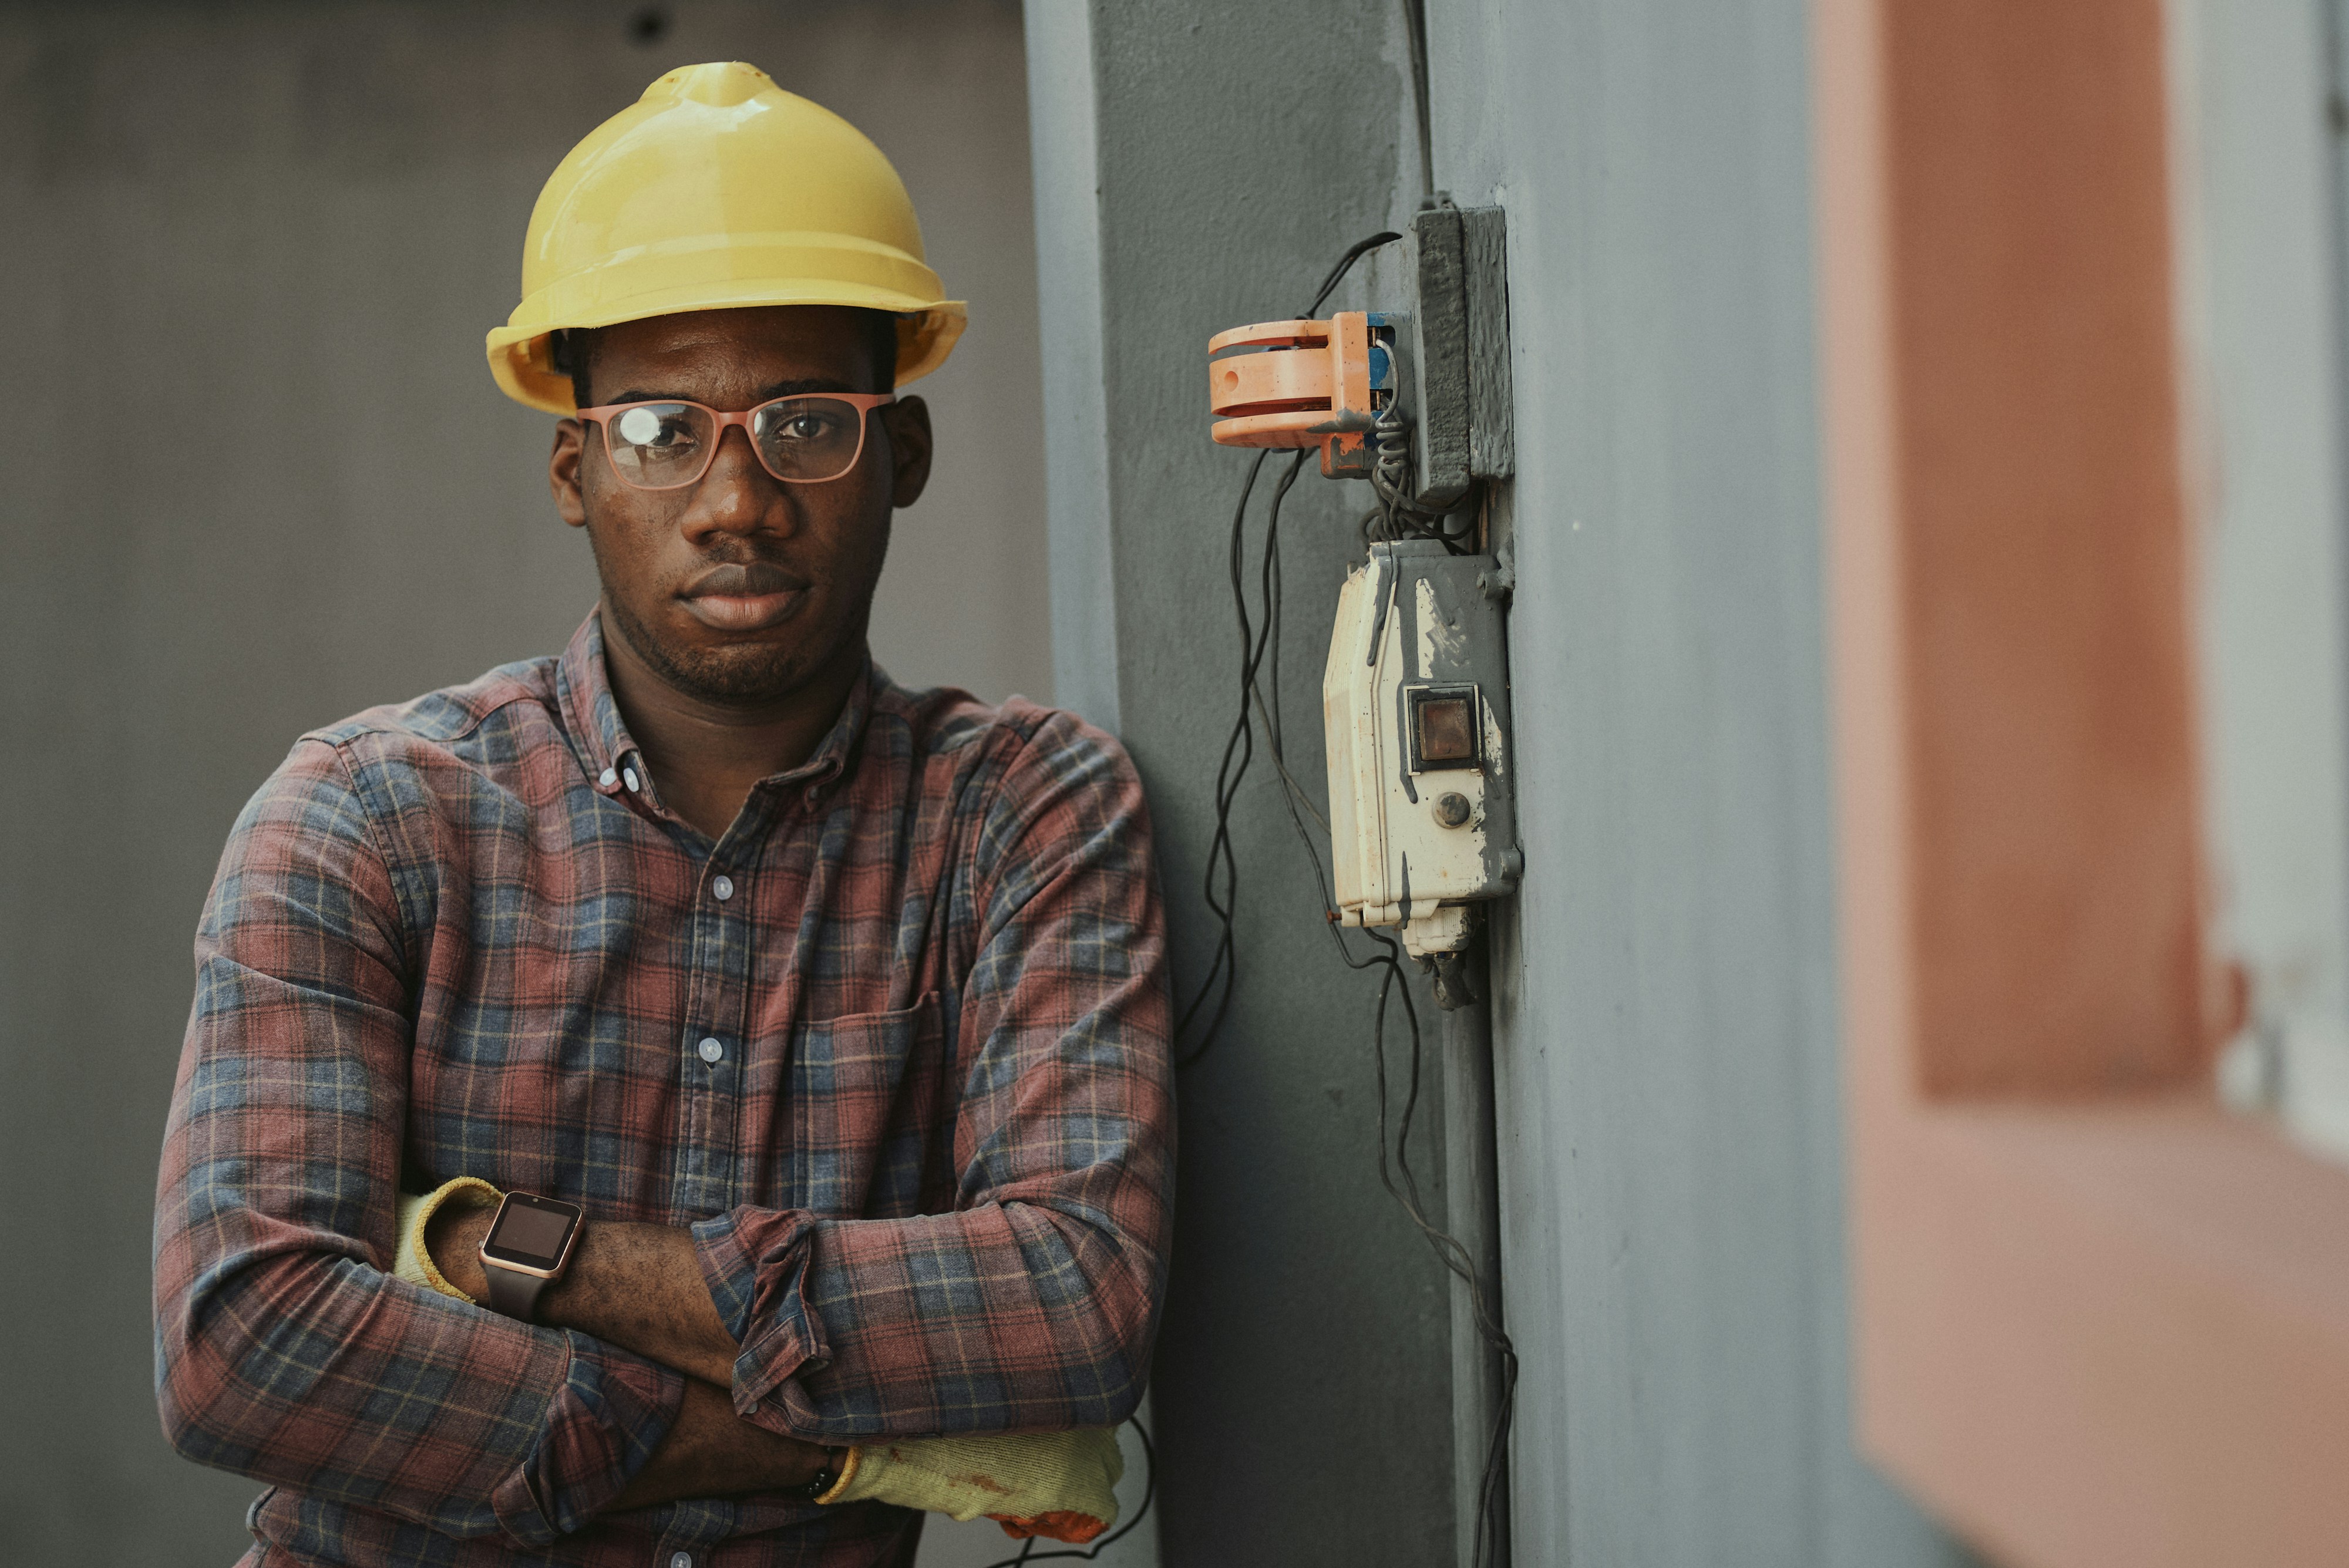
828	1482
513	1292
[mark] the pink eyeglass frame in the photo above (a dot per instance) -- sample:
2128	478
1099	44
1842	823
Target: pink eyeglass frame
864	403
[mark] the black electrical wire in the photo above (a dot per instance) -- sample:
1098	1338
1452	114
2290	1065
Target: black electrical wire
1448	1248
1449	1251
1396	516
1414	23
1239	746
1346	265
1239	749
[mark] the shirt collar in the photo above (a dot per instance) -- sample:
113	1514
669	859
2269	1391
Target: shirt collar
610	754
832	758
588	709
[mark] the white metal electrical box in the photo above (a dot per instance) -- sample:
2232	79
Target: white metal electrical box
1423	818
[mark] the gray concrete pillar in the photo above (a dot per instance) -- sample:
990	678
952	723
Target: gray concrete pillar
1198	169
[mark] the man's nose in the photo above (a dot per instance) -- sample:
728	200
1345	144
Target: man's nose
738	496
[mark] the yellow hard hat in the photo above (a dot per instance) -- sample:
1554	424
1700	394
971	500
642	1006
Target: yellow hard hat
718	189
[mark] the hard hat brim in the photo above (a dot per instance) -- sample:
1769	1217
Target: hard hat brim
719	190
520	363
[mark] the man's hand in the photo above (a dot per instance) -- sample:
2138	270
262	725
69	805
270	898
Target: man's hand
635	1286
1059	1485
712	1452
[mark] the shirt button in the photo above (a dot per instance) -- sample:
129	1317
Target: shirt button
721	888
681	1560
608	778
630	775
711	1050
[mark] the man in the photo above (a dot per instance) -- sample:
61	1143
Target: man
809	1034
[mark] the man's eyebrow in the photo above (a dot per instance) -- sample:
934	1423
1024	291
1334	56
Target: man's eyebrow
766	394
790	389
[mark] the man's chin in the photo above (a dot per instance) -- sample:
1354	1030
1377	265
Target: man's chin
738	673
729	672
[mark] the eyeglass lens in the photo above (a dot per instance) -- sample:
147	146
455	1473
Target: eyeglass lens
800	441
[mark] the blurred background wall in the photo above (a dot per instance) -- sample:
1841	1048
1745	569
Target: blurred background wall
256	477
1665	1031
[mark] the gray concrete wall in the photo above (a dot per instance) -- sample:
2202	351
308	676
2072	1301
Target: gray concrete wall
256	477
1666	1036
1216	159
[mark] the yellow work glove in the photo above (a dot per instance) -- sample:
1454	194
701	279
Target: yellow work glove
1060	1485
414	1263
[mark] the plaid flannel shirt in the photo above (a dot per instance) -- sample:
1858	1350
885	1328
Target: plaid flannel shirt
894	1047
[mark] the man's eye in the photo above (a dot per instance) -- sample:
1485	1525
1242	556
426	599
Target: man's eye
805	427
651	428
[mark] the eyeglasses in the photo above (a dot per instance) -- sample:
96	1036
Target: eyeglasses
805	438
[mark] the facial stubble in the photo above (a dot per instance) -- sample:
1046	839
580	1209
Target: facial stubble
744	673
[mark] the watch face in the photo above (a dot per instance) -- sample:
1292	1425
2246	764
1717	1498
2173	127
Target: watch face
531	1231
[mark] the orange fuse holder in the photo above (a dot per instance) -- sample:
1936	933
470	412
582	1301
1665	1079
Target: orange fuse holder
1305	384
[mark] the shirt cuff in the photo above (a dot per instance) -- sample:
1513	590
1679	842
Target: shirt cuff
756	1263
603	1424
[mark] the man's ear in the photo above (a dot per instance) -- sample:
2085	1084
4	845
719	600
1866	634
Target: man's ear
563	472
908	421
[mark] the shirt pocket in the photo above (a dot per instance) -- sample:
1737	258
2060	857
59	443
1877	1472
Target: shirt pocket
865	1100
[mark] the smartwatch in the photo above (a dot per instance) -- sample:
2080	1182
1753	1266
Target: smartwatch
527	1249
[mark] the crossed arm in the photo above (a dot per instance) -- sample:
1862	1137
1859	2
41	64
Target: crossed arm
672	1363
640	1287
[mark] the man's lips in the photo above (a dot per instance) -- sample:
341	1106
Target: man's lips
748	597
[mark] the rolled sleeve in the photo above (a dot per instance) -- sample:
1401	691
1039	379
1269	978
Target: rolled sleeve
602	1425
755	1263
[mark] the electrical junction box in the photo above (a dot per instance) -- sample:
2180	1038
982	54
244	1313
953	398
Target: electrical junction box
1452	352
1415	704
1305	384
1423	818
1441	366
